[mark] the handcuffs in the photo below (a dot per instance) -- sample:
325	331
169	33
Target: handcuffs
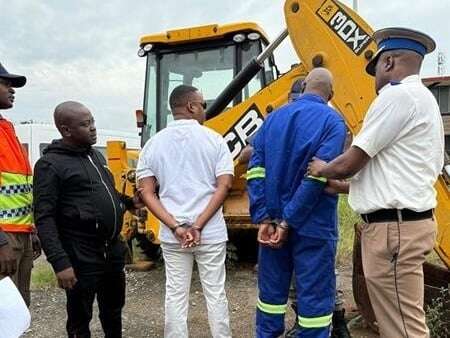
278	223
179	224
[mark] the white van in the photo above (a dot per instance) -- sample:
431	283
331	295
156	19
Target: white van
36	137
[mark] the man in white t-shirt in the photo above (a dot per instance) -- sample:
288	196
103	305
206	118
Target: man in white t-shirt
194	170
395	161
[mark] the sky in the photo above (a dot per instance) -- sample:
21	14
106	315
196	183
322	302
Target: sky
86	50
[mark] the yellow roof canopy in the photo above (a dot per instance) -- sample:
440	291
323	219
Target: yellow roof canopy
199	33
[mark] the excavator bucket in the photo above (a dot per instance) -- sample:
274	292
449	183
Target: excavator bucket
345	48
442	214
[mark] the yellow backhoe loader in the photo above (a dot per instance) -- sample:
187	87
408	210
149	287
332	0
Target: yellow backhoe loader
234	67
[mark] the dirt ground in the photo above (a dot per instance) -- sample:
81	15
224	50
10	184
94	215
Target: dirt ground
143	315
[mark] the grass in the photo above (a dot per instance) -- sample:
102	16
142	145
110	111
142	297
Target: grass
438	314
347	219
42	276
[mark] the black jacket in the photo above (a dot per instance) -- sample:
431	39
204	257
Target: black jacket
78	212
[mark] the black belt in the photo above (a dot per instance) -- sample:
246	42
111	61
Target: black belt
393	215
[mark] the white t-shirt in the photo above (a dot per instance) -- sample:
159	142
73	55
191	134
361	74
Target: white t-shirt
404	136
186	159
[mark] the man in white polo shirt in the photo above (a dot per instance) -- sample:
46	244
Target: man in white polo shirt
194	170
395	161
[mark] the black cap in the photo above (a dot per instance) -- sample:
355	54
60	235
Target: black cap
400	38
17	81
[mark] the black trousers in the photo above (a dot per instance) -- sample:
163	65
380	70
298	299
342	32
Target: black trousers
109	288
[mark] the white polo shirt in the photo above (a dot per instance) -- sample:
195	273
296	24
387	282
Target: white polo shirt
186	159
404	136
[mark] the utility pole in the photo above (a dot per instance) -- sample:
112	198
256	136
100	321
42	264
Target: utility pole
441	63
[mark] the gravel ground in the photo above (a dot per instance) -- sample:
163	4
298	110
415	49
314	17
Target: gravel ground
143	315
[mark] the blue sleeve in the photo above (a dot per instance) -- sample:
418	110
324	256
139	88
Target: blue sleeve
310	190
256	179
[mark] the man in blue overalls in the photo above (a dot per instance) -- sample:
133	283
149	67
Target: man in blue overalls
296	217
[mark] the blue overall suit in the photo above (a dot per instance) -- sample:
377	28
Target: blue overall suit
279	190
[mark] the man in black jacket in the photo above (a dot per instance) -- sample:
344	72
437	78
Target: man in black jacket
79	216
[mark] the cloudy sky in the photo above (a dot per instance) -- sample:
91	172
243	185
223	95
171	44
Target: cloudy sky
86	50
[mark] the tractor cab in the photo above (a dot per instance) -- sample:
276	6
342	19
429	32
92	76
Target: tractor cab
206	57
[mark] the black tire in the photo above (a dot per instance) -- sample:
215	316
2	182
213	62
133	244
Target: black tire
243	245
150	250
129	252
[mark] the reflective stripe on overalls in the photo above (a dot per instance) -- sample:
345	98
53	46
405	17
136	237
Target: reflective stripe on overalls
271	308
255	172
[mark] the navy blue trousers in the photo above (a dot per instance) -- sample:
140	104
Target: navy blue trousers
313	261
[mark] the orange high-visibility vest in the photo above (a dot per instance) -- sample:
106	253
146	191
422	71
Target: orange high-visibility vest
16	183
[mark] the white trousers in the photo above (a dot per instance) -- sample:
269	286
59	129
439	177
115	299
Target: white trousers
179	262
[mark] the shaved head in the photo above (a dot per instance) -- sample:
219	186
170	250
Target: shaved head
75	123
320	82
66	111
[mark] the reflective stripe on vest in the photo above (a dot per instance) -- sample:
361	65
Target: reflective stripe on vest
16	189
10	179
315	322
270	308
16	199
17	212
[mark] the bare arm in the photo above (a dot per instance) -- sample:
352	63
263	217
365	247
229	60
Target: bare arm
147	187
337	187
245	155
344	166
224	183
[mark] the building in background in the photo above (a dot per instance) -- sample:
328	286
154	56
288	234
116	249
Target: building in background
440	87
36	137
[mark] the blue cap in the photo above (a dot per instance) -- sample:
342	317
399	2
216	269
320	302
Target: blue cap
400	38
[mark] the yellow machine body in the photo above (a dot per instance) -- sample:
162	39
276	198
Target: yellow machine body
323	33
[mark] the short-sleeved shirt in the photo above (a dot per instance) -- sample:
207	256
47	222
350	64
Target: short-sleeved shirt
404	136
186	159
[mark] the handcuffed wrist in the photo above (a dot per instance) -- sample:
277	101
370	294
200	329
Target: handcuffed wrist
197	227
283	225
178	225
